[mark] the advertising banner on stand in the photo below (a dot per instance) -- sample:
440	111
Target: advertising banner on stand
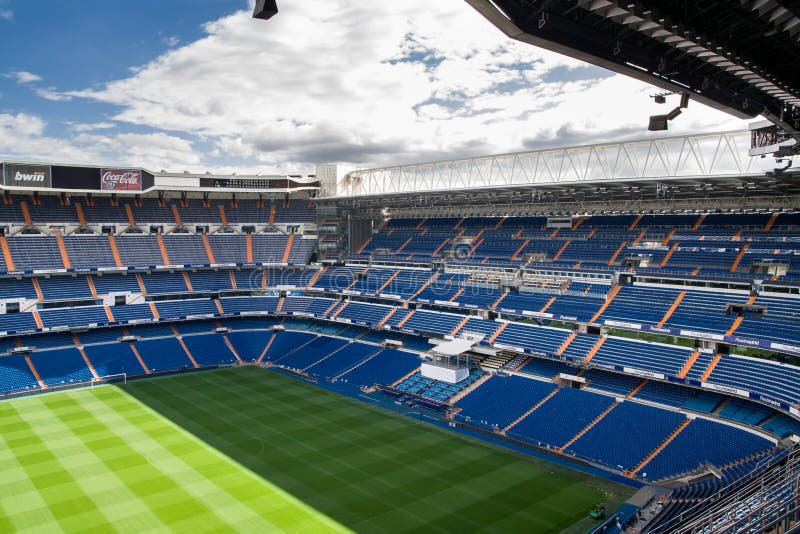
16	175
120	180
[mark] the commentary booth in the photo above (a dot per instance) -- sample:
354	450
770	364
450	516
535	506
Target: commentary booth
449	360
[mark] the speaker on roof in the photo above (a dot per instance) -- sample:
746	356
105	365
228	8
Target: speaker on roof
265	9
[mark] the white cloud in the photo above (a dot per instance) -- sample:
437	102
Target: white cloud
170	41
50	93
23	76
369	83
88	127
24	137
6	14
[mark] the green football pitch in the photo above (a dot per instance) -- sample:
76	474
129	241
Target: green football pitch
248	450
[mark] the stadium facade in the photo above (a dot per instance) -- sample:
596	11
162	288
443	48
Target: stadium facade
629	307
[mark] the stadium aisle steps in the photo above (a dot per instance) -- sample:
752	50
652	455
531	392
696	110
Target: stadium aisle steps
223	217
689	363
88	362
62	249
607	303
699	222
770	222
460	325
710	368
340	309
331	307
736	324
594	349
26	214
405	319
6	253
671	309
739	257
547	305
669	254
358	364
187	282
38	289
405	377
532	409
288	249
207	247
129	214
566	343
617	252
38	319
497	333
176	214
456	295
364	245
183	345
315	277
658	449
139	280
588	427
635	222
562	249
249	246
163	249
266	348
388	316
86	359
636	389
233	280
35	372
79	213
469	389
497	302
345	348
519	250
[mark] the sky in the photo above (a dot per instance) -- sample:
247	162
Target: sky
199	85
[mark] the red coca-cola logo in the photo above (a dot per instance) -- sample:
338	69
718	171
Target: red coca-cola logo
120	179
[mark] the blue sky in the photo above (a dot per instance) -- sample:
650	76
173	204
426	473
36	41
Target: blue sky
199	85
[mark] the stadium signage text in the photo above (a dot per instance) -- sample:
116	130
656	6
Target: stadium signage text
120	180
27	175
726	389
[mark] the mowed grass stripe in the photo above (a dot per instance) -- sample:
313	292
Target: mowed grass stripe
439	499
172	489
122	466
188	463
56	485
347	463
22	507
370	470
59	426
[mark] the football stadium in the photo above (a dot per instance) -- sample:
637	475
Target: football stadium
581	338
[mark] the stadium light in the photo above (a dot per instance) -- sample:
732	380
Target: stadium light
265	9
661	122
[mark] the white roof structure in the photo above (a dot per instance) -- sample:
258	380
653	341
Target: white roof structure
454	347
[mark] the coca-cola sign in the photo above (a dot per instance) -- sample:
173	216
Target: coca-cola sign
120	180
27	175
